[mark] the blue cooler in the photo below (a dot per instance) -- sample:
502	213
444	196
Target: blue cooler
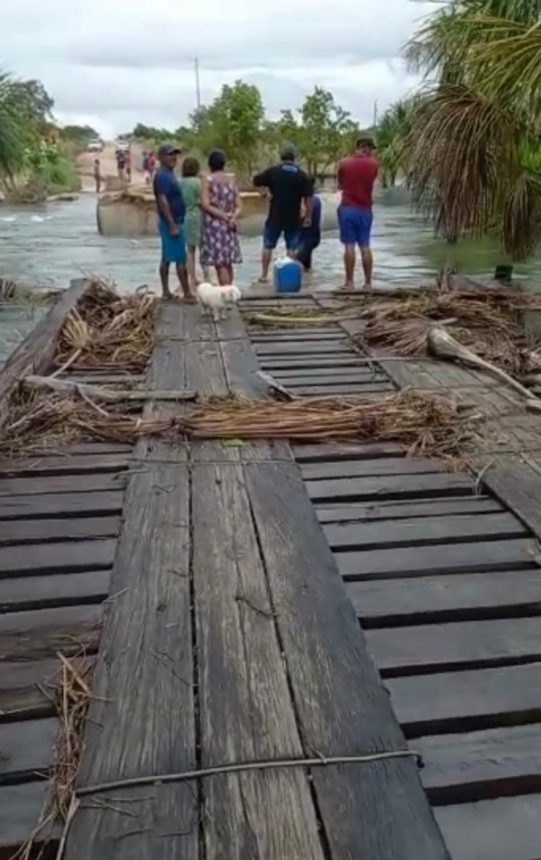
287	276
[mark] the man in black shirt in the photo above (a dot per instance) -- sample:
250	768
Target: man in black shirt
290	205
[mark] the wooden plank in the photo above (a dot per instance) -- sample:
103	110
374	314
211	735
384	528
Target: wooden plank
53	505
407	509
361	390
26	749
59	465
457	645
347	451
456	596
296	362
519	487
35	353
26	687
388	487
503	829
241	366
84	448
345	468
245	706
423	531
55	557
470	700
472	766
141	720
376	810
20	808
295	335
38	634
45	531
338	379
66	589
323	349
429	560
61	484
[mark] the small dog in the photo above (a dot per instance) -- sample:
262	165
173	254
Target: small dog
215	300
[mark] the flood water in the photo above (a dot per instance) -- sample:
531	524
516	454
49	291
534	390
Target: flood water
46	246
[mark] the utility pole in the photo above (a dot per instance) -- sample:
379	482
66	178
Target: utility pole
375	114
197	83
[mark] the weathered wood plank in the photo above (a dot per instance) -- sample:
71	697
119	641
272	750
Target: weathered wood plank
346	451
503	829
472	766
519	487
66	589
54	557
323	349
45	531
45	464
470	700
375	810
390	602
23	685
61	484
377	467
443	558
360	390
37	634
52	505
298	336
423	531
388	487
142	719
26	749
293	362
20	808
245	708
35	353
362	372
454	646
407	509
338	381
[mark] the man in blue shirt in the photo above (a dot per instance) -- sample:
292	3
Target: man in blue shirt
171	213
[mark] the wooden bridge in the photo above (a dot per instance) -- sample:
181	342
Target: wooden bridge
219	589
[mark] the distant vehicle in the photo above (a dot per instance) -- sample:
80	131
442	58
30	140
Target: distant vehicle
122	145
95	145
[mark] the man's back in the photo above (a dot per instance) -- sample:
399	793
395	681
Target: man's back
356	178
288	185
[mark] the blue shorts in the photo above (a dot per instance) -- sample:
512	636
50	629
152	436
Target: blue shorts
272	233
173	247
355	225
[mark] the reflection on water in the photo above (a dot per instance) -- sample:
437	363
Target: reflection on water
48	245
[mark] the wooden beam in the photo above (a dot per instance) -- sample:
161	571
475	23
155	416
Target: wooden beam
36	352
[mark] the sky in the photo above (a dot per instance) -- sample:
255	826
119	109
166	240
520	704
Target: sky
113	63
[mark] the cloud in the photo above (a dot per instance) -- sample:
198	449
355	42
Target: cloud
132	61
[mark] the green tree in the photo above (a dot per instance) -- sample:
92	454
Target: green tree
474	160
326	131
233	122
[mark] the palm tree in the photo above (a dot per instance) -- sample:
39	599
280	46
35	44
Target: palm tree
474	149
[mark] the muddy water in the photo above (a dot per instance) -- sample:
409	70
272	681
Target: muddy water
46	246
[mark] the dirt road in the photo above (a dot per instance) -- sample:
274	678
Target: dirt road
85	164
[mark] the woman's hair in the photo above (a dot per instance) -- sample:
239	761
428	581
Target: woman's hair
217	160
190	167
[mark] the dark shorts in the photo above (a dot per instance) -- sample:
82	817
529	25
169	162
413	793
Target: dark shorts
355	225
272	233
173	247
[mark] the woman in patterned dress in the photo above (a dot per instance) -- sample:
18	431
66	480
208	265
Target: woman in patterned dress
220	202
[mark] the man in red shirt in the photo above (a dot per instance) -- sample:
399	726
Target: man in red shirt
356	177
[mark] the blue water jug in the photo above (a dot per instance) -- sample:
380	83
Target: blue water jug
287	276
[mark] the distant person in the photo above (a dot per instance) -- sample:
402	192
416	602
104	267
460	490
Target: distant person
221	205
191	186
127	159
121	166
151	166
310	235
171	212
356	178
290	189
97	175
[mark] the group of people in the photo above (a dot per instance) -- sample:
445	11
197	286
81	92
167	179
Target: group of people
199	215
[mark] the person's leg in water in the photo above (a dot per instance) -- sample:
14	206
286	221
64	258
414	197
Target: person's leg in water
366	219
270	240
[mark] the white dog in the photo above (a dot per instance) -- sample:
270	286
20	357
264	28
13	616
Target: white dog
215	300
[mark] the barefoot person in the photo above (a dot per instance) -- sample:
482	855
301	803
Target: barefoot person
356	177
171	213
221	205
291	190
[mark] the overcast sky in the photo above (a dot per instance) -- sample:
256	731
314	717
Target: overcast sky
112	63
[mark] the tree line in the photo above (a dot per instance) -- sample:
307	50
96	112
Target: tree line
321	130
